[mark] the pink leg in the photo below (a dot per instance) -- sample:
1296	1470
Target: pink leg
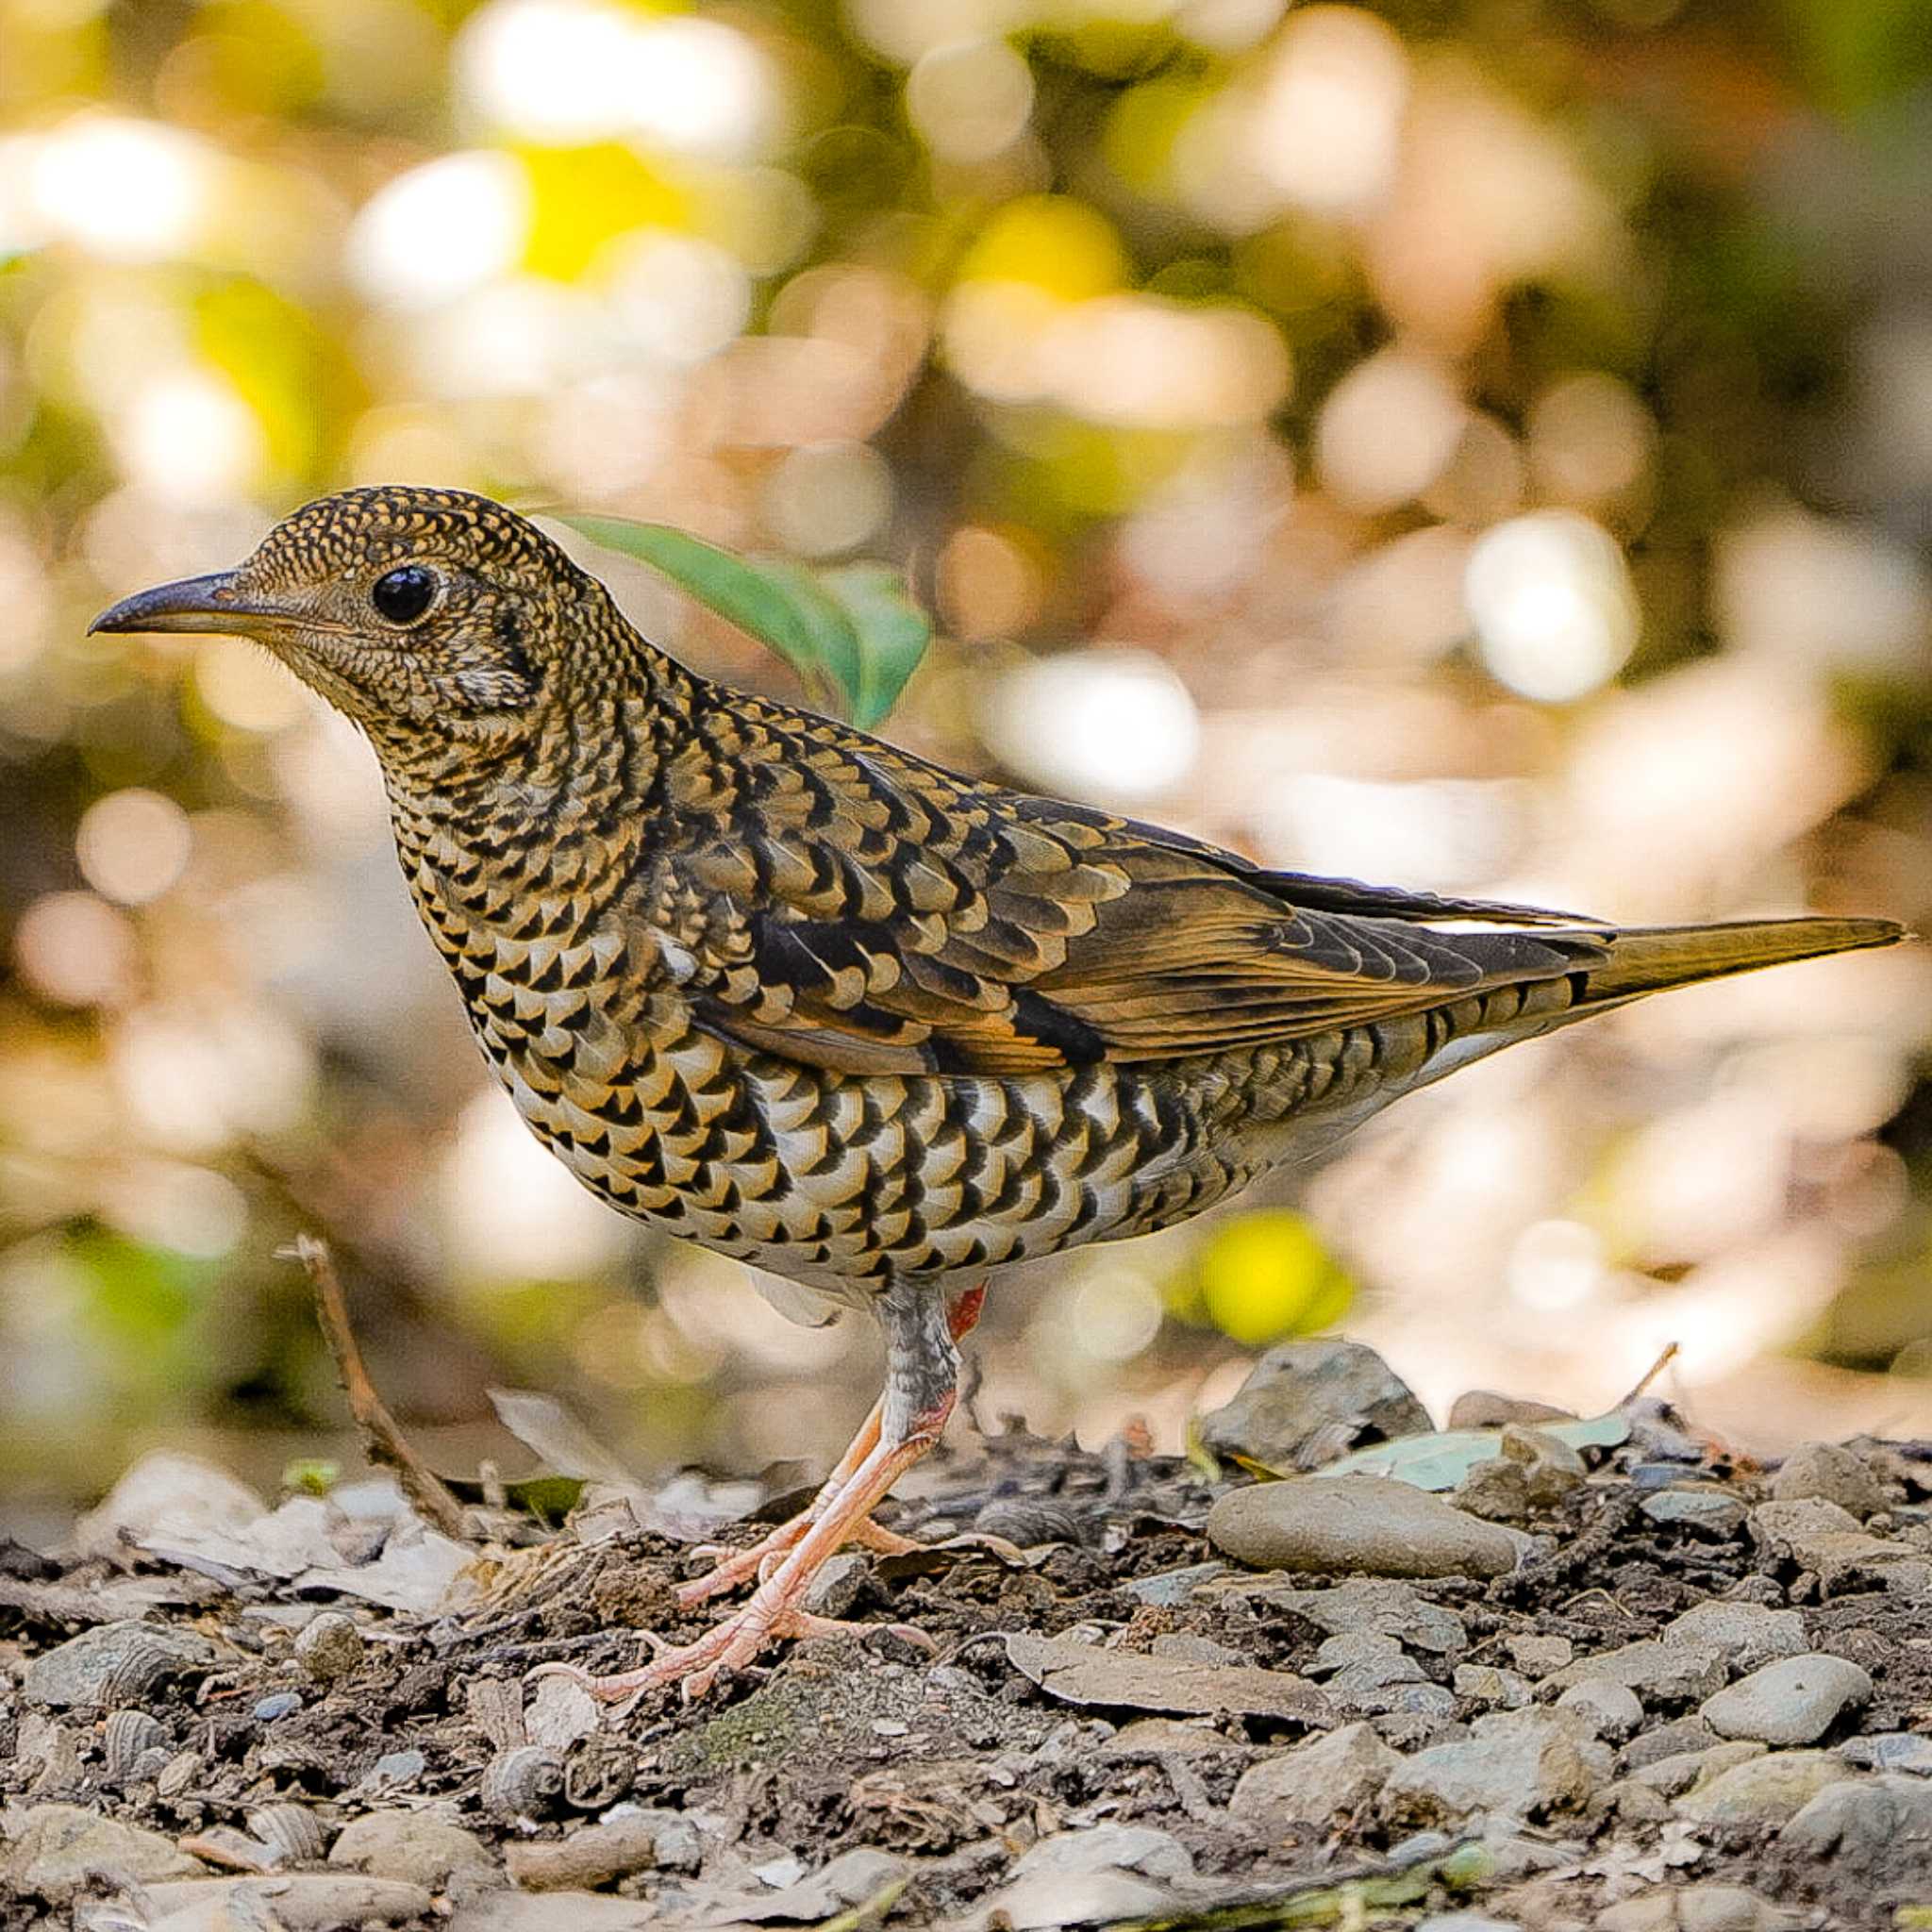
761	1557
918	1360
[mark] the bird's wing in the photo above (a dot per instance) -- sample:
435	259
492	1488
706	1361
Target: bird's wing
846	905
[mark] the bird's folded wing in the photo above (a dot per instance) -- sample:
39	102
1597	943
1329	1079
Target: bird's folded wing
881	915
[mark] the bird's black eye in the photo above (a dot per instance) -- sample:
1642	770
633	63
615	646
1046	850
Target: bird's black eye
404	594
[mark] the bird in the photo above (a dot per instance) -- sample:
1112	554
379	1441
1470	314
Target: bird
767	982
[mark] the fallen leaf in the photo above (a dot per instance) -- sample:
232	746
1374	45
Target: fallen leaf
1440	1460
1127	1680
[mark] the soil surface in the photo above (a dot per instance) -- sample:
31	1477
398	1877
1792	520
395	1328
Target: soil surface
1118	1724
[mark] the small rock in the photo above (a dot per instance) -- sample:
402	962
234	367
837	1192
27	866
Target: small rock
1537	1657
1671	1778
1521	1764
1745	1633
281	1703
1167	1588
298	1902
1498	1689
1356	1649
1313	1400
1609	1709
416	1848
1795	1701
1649	1912
1483	1408
395	1768
1392	1610
1664	1672
1893	1750
559	1713
1334	1776
1765	1789
1154	1737
1634	1804
1464	1921
1865	1827
1821	1537
593	1855
1191	1649
1725	1908
1496	1489
1050	1901
1705	1507
1668	1740
54	1850
329	1647
840	1581
1108	1848
118	1663
1355	1523
1833	1472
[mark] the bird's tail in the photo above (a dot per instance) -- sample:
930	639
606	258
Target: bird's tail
1647	960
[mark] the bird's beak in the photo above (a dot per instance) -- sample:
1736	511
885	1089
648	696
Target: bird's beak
193	604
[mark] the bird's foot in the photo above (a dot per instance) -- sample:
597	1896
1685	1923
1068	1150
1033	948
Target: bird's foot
760	1559
725	1648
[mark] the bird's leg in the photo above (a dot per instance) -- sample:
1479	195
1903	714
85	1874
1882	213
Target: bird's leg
921	1384
740	1566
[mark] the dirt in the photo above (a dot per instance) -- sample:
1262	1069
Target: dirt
957	1761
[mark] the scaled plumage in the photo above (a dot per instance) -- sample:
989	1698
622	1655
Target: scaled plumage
766	981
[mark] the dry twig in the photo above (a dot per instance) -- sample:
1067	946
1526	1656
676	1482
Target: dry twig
427	1493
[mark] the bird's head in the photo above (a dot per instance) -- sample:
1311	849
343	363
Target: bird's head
413	611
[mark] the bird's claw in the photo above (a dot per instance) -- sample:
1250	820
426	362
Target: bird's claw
722	1650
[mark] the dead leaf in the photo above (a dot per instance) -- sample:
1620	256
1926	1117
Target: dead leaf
1126	1679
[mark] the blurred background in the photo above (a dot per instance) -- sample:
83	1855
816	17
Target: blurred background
1485	446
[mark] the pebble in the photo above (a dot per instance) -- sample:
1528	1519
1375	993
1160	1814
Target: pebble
596	1855
296	1902
561	1713
1167	1588
1532	1471
1339	1774
1829	1471
1521	1764
115	1663
53	1849
1483	1408
1671	1778
1108	1848
282	1704
1050	1901
1156	1737
1609	1709
1667	1673
1795	1701
416	1848
843	1578
1704	1508
1318	1397
1767	1789
1394	1610
329	1647
1464	1921
1825	1539
1866	1826
1691	1909
1536	1656
1489	1685
1668	1740
1902	1750
1746	1634
395	1768
1355	1523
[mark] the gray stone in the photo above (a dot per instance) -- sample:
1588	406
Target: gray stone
1305	1403
1332	1776
1535	1657
1521	1764
1167	1588
1745	1633
1671	1778
1608	1709
329	1647
1337	1524
1898	1751
1108	1848
1829	1471
296	1902
1765	1789
1667	1741
1704	1508
1665	1672
1356	1649
55	1850
1865	1826
1489	1685
1483	1408
1390	1609
114	1664
416	1848
1795	1701
1821	1537
1632	1803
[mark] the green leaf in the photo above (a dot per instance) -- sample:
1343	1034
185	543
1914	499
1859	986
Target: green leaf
1440	1460
851	632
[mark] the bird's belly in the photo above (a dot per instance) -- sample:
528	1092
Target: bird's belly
845	1182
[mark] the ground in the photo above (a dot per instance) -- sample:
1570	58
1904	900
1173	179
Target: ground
1119	1725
